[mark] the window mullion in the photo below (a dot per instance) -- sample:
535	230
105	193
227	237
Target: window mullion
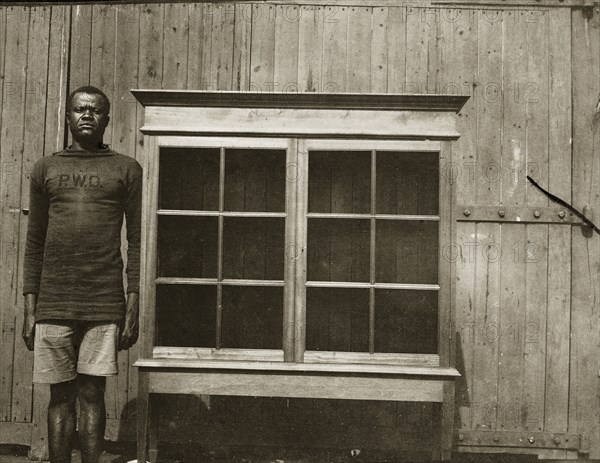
372	253
291	251
301	257
220	247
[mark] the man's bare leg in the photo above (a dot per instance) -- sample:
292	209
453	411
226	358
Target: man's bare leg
61	421
92	416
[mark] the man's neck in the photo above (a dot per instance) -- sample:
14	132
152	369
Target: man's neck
84	145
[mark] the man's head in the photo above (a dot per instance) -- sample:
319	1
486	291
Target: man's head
87	115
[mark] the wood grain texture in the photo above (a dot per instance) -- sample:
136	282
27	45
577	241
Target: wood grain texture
263	48
33	149
358	64
310	46
11	155
585	255
175	45
54	140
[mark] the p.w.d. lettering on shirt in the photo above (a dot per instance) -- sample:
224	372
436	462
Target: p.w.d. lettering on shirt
79	180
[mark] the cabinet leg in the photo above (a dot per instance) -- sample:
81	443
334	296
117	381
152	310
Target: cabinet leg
443	424
143	406
152	430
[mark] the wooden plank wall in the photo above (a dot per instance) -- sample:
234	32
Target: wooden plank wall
527	295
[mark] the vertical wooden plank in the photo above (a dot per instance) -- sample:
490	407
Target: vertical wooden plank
515	116
176	36
558	327
198	46
11	152
57	79
483	330
358	63
585	298
335	44
33	149
241	46
287	20
466	303
222	40
478	183
559	104
513	296
102	56
558	321
263	47
126	77
435	50
149	76
533	95
417	47
396	36
54	140
81	33
379	50
310	49
534	252
511	322
482	176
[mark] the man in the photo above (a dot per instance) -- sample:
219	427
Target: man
76	313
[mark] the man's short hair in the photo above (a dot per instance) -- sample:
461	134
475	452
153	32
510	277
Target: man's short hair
92	91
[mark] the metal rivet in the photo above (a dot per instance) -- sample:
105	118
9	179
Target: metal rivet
501	213
561	214
536	214
467	212
557	440
531	440
461	437
496	438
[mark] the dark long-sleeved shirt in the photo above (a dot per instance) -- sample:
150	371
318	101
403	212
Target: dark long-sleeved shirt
72	256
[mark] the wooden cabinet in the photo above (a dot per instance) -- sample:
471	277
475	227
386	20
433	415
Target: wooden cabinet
302	229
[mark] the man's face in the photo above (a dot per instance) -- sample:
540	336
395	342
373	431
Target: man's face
87	117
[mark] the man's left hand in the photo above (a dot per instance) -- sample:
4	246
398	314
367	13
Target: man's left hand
129	328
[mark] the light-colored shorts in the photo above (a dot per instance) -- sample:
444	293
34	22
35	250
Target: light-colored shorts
64	348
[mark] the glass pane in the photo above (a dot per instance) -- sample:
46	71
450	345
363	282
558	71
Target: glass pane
339	182
406	321
252	317
189	179
407	183
338	250
406	252
187	246
253	248
186	315
337	319
255	180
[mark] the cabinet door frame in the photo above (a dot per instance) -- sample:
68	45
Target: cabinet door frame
445	236
149	277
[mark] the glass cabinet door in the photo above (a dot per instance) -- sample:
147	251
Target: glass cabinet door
220	245
372	241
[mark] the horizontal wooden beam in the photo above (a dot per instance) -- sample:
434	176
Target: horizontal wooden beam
520	439
301	100
330	369
296	386
15	433
516	214
507	4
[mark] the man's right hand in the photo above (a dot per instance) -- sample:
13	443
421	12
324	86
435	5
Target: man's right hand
29	320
